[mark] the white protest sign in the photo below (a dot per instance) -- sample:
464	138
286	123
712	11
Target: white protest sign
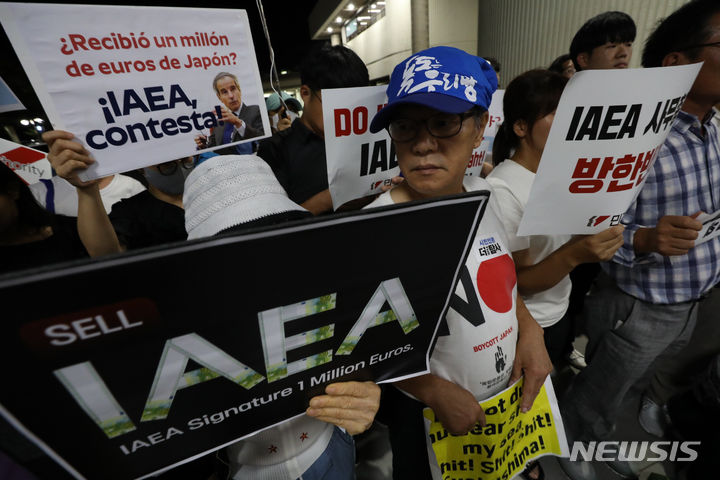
359	163
483	153
29	164
8	100
135	84
607	130
710	228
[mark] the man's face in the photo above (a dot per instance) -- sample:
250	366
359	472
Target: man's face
607	56
436	166
312	115
706	88
229	93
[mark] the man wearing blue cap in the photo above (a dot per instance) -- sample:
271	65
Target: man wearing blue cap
436	115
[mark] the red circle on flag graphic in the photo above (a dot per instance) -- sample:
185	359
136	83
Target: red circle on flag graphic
495	282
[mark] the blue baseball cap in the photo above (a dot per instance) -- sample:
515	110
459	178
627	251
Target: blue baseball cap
444	78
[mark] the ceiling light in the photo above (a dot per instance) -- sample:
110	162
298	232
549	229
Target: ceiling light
364	17
25	122
329	30
374	10
350	6
339	20
363	23
38	120
283	72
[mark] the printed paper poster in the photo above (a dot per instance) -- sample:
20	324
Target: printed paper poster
710	228
138	85
29	164
359	163
607	130
483	153
509	439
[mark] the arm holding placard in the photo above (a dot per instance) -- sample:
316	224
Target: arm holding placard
455	407
538	277
673	235
69	158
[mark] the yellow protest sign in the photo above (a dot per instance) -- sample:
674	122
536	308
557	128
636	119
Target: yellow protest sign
500	449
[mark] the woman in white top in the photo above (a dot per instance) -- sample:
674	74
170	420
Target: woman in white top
542	262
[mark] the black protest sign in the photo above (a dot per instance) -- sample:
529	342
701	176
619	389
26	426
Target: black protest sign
152	358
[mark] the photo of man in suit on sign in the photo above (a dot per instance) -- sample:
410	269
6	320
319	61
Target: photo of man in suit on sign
239	121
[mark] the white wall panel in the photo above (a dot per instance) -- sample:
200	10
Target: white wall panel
454	23
524	34
387	42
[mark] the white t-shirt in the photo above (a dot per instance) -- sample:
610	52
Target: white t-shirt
511	183
479	357
65	197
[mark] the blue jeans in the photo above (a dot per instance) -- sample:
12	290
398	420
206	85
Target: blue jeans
337	462
626	336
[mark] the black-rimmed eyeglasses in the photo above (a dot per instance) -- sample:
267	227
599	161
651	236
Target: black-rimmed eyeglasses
700	45
441	125
168	168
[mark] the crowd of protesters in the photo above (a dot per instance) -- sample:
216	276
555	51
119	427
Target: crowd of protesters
642	292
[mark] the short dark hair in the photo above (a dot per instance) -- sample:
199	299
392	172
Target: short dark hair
30	213
557	64
494	63
685	27
529	97
333	67
607	27
223	75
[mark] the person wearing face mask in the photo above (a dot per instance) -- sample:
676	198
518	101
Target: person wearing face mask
152	217
155	216
282	112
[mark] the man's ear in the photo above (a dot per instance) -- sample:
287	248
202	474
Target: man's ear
481	123
583	60
305	93
520	128
674	58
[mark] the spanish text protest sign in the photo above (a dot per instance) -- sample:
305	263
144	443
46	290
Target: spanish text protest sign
150	359
500	449
29	164
135	85
607	130
359	163
483	153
